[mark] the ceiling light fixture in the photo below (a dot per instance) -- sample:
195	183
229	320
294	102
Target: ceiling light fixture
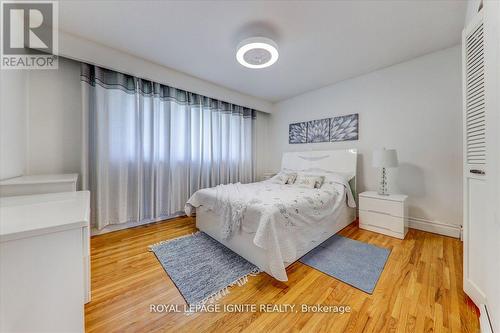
257	52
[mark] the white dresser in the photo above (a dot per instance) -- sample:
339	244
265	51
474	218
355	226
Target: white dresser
44	262
385	214
38	184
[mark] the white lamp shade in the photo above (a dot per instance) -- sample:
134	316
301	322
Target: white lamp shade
385	158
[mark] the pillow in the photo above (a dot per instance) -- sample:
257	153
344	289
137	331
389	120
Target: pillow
283	178
291	178
340	178
320	175
333	180
344	175
307	181
337	177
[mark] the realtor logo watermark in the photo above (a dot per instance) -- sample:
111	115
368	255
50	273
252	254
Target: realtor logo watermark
29	33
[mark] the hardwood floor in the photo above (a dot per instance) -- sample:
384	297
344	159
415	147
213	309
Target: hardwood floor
420	289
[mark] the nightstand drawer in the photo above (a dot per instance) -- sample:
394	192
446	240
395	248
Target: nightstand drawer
388	207
382	222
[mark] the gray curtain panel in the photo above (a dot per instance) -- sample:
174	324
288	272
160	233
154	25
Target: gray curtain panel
148	147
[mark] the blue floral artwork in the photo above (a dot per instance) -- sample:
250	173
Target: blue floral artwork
297	133
344	128
318	130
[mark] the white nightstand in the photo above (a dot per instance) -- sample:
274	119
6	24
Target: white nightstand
386	214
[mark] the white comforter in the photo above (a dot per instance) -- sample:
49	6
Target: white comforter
279	215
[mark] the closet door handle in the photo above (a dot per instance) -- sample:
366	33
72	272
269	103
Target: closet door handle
477	172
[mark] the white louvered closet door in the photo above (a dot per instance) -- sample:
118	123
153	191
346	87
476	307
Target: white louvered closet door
475	159
475	115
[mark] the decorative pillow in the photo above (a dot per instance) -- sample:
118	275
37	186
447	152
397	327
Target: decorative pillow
321	177
307	181
283	178
291	178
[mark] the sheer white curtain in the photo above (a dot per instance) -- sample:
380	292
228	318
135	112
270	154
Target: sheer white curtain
148	147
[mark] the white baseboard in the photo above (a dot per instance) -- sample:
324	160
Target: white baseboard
445	229
115	227
440	228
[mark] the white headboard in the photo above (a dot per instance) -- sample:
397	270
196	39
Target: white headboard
329	160
343	161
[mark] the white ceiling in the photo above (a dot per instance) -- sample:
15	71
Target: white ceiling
320	43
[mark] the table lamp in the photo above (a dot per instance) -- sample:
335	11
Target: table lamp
384	158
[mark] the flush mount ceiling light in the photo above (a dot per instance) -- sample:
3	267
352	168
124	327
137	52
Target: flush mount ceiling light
257	52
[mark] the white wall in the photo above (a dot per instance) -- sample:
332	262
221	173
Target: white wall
13	109
54	119
414	107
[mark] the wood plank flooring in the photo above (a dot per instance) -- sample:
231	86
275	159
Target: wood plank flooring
420	289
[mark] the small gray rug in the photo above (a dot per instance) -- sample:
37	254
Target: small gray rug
202	268
356	263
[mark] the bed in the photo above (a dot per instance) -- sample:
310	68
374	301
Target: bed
280	223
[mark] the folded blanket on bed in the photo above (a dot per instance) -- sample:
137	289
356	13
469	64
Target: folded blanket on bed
230	203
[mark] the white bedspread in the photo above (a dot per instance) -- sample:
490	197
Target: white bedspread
279	215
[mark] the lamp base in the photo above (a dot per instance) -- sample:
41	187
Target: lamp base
383	184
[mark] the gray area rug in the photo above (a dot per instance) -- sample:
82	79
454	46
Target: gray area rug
202	268
356	263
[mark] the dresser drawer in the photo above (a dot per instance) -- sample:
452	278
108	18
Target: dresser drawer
382	222
388	207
